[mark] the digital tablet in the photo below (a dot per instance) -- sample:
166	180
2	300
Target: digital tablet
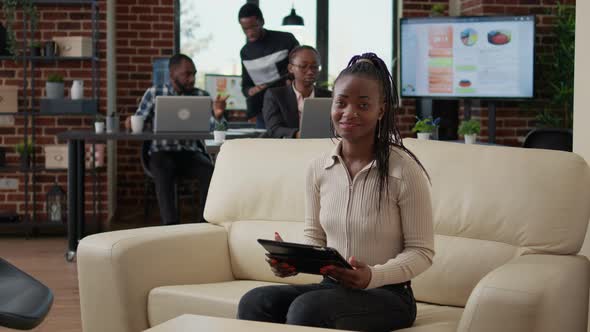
305	258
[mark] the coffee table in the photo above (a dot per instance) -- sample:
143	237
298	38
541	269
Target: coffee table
196	323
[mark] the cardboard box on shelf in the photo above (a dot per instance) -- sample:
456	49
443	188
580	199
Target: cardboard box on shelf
8	99
74	46
56	156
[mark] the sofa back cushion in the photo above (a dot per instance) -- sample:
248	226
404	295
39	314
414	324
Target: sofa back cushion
490	204
261	179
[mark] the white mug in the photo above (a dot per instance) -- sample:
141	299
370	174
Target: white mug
99	127
137	124
219	136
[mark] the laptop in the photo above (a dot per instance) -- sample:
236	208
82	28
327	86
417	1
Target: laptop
315	118
175	114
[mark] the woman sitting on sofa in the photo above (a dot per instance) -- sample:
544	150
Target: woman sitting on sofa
283	105
369	199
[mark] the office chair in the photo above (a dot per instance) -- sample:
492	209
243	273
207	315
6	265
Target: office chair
185	186
24	301
549	138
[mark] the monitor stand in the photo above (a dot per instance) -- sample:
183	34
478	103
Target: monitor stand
491	117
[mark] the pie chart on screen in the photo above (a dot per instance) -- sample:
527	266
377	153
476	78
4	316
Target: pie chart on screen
499	37
469	37
464	83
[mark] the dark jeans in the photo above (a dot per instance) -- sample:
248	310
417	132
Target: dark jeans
167	167
330	305
260	124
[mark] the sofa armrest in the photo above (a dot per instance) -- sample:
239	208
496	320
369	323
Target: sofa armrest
117	270
531	293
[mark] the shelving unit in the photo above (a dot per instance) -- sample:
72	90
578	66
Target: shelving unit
30	110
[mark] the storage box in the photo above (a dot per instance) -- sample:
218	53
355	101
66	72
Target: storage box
8	99
74	46
56	156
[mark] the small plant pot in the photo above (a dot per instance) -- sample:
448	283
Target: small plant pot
425	136
218	136
54	90
470	139
35	50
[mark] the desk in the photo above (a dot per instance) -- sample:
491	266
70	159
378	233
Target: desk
76	171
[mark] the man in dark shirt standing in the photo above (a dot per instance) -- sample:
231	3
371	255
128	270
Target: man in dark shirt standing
264	59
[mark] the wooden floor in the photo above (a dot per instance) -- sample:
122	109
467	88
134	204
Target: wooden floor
43	258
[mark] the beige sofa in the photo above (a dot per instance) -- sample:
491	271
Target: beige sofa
508	225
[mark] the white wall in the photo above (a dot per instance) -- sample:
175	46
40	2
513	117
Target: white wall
581	93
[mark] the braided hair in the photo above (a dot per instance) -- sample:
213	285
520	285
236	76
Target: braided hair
370	66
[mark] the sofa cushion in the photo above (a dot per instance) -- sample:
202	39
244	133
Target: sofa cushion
221	300
247	255
258	179
459	264
217	299
531	198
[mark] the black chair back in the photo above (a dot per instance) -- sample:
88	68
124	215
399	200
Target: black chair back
549	138
24	301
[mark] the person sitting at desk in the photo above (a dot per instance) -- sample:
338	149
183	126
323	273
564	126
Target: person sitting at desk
283	105
172	159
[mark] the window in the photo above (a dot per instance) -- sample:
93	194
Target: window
211	35
274	11
359	27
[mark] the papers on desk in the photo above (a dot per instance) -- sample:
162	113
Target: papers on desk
212	142
247	130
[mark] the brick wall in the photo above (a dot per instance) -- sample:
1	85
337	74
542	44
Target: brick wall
54	21
145	31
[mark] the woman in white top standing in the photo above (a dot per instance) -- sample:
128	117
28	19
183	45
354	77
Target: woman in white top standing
369	199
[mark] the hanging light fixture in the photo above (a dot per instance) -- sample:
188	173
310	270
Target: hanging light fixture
293	18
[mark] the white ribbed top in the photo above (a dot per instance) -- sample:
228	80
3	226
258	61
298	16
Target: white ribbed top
397	240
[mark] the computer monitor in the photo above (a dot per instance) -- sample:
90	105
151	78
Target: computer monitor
182	114
468	57
315	118
227	85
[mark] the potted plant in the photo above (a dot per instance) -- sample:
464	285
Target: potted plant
555	105
99	124
219	132
425	127
9	8
35	48
437	10
469	129
25	151
54	87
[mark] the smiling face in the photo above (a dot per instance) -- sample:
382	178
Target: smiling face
356	108
305	67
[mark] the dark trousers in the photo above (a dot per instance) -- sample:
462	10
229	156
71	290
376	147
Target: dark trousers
260	124
329	305
167	167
